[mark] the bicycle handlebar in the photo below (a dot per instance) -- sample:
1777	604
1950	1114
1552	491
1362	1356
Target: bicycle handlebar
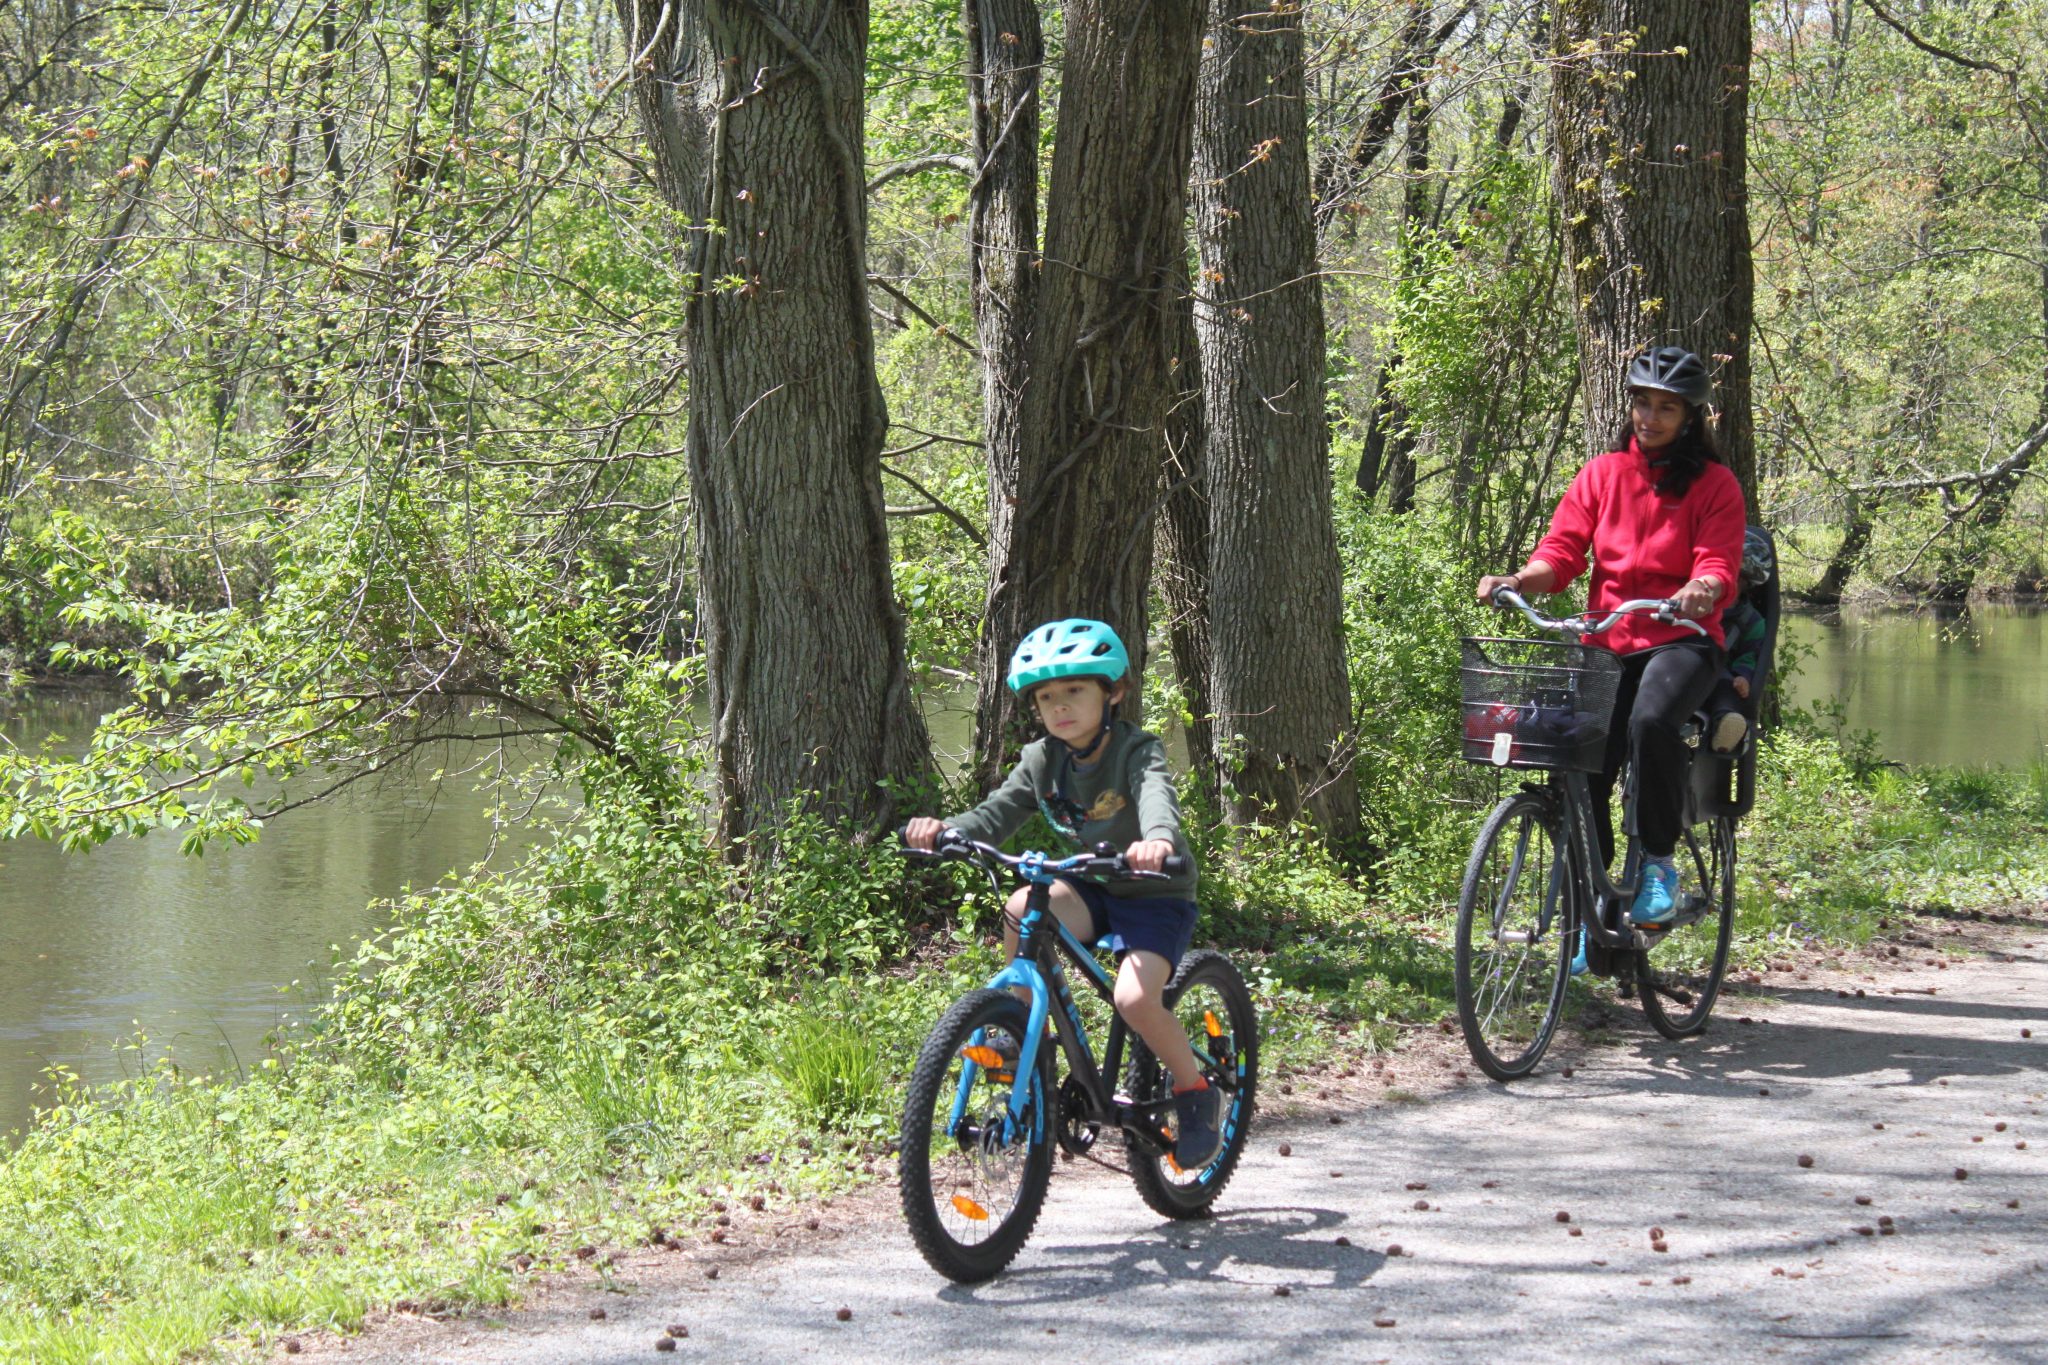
1665	609
957	847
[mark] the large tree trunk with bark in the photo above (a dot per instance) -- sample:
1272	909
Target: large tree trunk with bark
1278	684
810	702
1650	104
673	90
1005	56
1075	538
1183	541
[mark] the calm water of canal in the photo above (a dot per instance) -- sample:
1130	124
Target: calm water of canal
1952	688
194	950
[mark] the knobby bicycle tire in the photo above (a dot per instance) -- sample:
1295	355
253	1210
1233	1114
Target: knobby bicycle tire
1515	911
1204	979
979	1243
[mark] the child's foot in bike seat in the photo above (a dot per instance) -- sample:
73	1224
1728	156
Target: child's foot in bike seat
1657	902
996	1056
1729	728
1200	1113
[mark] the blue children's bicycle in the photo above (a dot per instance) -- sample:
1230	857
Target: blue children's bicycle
986	1105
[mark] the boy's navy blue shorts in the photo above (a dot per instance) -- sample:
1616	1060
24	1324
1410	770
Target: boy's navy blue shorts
1138	924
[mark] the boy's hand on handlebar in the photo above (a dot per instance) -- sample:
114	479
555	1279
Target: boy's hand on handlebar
923	833
1149	855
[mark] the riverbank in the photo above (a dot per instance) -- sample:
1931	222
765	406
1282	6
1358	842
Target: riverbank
608	1044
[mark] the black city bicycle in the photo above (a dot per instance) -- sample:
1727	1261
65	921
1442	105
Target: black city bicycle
1536	881
986	1105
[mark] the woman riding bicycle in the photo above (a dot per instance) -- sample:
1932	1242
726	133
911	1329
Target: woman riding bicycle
1662	517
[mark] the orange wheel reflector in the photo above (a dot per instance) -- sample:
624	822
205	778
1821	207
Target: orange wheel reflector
1209	1023
969	1209
982	1056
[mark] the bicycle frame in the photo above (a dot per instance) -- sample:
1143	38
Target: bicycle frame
1576	795
1037	969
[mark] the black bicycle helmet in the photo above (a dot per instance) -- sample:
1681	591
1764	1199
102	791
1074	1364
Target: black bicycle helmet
1674	370
1758	558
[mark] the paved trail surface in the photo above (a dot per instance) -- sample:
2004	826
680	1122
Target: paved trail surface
1921	1112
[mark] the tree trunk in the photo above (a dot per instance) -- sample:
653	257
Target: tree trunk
673	89
1183	540
809	698
1650	105
1076	537
1279	687
1848	554
1005	54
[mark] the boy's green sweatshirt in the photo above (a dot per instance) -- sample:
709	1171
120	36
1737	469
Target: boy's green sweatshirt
1127	795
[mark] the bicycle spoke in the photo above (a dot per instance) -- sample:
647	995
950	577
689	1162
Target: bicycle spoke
1508	963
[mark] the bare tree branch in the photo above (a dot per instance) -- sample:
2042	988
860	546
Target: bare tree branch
918	166
2017	463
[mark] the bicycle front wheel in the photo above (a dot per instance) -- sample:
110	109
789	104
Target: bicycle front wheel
1211	1001
1514	913
972	1182
1680	974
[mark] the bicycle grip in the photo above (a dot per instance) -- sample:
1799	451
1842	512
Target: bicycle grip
1174	866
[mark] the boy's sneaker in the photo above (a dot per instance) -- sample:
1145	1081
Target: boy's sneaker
1657	901
1579	964
1201	1135
1729	728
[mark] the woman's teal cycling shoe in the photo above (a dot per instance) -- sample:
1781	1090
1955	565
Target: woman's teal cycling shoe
1657	902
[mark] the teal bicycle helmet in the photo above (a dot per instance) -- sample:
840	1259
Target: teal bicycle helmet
1068	649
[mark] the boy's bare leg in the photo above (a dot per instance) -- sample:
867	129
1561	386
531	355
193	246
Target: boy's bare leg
1067	907
1140	985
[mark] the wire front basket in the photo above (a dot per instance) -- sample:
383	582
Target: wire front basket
1537	703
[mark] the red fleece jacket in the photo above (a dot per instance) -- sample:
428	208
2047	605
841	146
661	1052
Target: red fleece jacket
1644	545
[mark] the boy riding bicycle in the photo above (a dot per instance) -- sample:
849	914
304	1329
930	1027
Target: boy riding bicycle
1097	779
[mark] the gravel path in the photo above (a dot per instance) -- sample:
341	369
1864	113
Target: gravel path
1915	1231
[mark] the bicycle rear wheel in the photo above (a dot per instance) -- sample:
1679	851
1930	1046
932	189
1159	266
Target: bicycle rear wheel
971	1190
1514	912
1680	974
1211	1001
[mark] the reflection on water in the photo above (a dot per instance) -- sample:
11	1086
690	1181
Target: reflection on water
1936	687
195	949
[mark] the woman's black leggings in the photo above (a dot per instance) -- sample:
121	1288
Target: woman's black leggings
1660	690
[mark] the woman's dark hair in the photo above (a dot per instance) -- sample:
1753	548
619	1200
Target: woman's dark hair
1685	457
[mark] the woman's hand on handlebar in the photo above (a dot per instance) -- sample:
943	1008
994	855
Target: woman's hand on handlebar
1494	582
1149	855
923	832
1696	599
